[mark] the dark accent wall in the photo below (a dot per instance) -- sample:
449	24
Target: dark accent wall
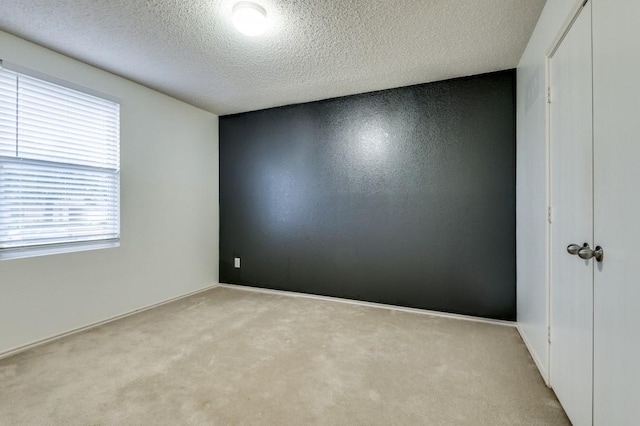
403	196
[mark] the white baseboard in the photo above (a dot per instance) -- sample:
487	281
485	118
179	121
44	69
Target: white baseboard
534	355
371	304
31	345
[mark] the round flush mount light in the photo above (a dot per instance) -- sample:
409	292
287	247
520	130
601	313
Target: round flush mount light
249	18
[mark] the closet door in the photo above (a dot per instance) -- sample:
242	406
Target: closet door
616	55
571	151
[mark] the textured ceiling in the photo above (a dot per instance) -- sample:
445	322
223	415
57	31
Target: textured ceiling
313	49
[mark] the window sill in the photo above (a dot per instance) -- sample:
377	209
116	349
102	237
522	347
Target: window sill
25	252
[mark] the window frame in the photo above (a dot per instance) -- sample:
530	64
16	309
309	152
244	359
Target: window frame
75	246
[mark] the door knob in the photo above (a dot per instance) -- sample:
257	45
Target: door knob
574	248
586	253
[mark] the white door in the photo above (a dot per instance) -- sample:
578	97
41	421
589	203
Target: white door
616	72
571	152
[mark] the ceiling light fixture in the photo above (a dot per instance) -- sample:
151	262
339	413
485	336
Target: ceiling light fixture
249	18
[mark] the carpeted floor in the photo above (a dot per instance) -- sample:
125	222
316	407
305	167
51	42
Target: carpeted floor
232	357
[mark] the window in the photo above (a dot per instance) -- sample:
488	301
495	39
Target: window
59	168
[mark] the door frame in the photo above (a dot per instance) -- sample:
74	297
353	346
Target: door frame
555	44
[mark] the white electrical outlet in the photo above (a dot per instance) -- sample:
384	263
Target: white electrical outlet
236	262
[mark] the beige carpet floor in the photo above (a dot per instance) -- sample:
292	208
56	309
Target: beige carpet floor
232	357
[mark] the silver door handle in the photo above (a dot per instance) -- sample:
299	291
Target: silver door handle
574	248
586	253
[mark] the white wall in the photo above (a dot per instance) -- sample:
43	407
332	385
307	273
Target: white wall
169	214
532	182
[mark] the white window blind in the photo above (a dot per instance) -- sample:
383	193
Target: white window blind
59	167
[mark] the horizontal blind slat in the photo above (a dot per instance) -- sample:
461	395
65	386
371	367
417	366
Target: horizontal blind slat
41	110
65	92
